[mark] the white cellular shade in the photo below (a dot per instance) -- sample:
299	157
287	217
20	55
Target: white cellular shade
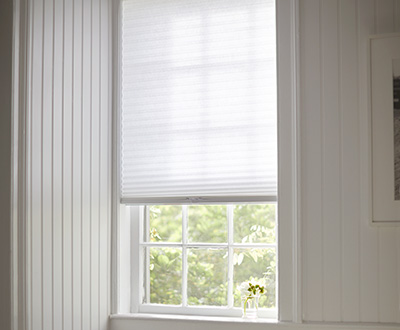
198	105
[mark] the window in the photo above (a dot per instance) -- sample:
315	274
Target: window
199	151
197	256
190	259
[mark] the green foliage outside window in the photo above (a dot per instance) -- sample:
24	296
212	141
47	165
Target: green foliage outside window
207	268
166	276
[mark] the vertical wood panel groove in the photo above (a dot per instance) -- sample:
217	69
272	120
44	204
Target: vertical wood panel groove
369	237
331	166
350	161
52	171
72	162
99	160
63	172
41	164
91	163
359	158
312	170
73	206
32	47
321	153
109	153
378	230
340	115
361	186
81	167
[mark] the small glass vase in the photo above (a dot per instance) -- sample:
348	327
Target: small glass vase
250	307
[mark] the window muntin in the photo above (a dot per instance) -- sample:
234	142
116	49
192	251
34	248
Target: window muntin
199	274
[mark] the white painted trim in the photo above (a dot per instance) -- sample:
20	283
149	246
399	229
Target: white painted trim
289	261
384	35
297	244
229	214
203	200
136	218
14	169
369	136
141	243
211	245
115	198
184	256
294	269
126	249
122	321
18	168
192	318
204	311
372	222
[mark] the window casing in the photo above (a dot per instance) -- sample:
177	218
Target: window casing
138	223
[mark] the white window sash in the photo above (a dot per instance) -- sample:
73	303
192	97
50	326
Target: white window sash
140	222
199	200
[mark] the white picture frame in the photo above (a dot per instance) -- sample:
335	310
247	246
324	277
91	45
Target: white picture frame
384	54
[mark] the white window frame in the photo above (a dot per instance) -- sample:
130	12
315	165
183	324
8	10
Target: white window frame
289	279
139	221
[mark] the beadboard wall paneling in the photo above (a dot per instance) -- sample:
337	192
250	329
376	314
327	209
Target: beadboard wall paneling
349	266
6	171
68	164
331	164
351	270
368	237
311	171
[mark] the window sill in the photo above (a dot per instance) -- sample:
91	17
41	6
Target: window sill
194	318
185	322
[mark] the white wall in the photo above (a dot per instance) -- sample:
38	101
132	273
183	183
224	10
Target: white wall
351	271
68	161
6	27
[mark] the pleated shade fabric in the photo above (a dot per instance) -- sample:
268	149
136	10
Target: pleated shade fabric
198	101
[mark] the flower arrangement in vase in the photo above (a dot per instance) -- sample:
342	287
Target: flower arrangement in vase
250	292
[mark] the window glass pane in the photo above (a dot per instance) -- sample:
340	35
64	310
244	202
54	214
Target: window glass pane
254	223
207	223
165	223
166	276
255	265
207	267
207	276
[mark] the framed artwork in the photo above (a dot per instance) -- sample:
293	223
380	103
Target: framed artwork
385	127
